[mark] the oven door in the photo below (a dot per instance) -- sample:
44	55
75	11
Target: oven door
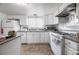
57	47
55	44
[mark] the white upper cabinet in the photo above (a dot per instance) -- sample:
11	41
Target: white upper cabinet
11	24
50	20
22	18
8	23
34	22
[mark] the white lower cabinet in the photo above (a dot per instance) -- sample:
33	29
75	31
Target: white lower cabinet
70	51
37	37
23	37
42	37
47	39
33	37
30	37
71	47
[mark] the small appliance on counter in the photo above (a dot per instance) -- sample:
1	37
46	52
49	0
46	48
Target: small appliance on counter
12	33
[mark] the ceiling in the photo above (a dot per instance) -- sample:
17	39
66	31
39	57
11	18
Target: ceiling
29	8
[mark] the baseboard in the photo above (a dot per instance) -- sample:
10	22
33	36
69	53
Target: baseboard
34	43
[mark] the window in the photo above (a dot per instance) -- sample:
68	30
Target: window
35	22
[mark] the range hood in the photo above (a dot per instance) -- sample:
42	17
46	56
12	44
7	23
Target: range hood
72	25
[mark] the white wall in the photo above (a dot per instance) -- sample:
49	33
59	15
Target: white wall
3	16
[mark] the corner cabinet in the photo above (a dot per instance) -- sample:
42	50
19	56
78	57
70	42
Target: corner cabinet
50	20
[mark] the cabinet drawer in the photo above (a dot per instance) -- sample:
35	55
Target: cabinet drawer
70	51
72	44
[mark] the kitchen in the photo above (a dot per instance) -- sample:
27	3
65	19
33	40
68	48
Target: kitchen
39	29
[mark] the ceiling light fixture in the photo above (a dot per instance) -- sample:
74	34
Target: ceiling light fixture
22	4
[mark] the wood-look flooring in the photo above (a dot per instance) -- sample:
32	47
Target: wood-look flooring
36	49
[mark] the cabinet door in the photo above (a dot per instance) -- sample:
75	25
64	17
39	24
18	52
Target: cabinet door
47	39
22	18
30	37
23	37
42	37
72	44
50	19
46	20
70	51
36	37
7	23
55	20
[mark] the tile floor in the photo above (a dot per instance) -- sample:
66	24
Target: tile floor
36	49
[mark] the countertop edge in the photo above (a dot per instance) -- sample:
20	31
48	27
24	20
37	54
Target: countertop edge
34	31
10	39
71	40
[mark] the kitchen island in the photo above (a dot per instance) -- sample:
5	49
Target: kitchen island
11	46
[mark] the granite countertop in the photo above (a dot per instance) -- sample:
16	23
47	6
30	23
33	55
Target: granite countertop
35	31
77	41
9	39
71	38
